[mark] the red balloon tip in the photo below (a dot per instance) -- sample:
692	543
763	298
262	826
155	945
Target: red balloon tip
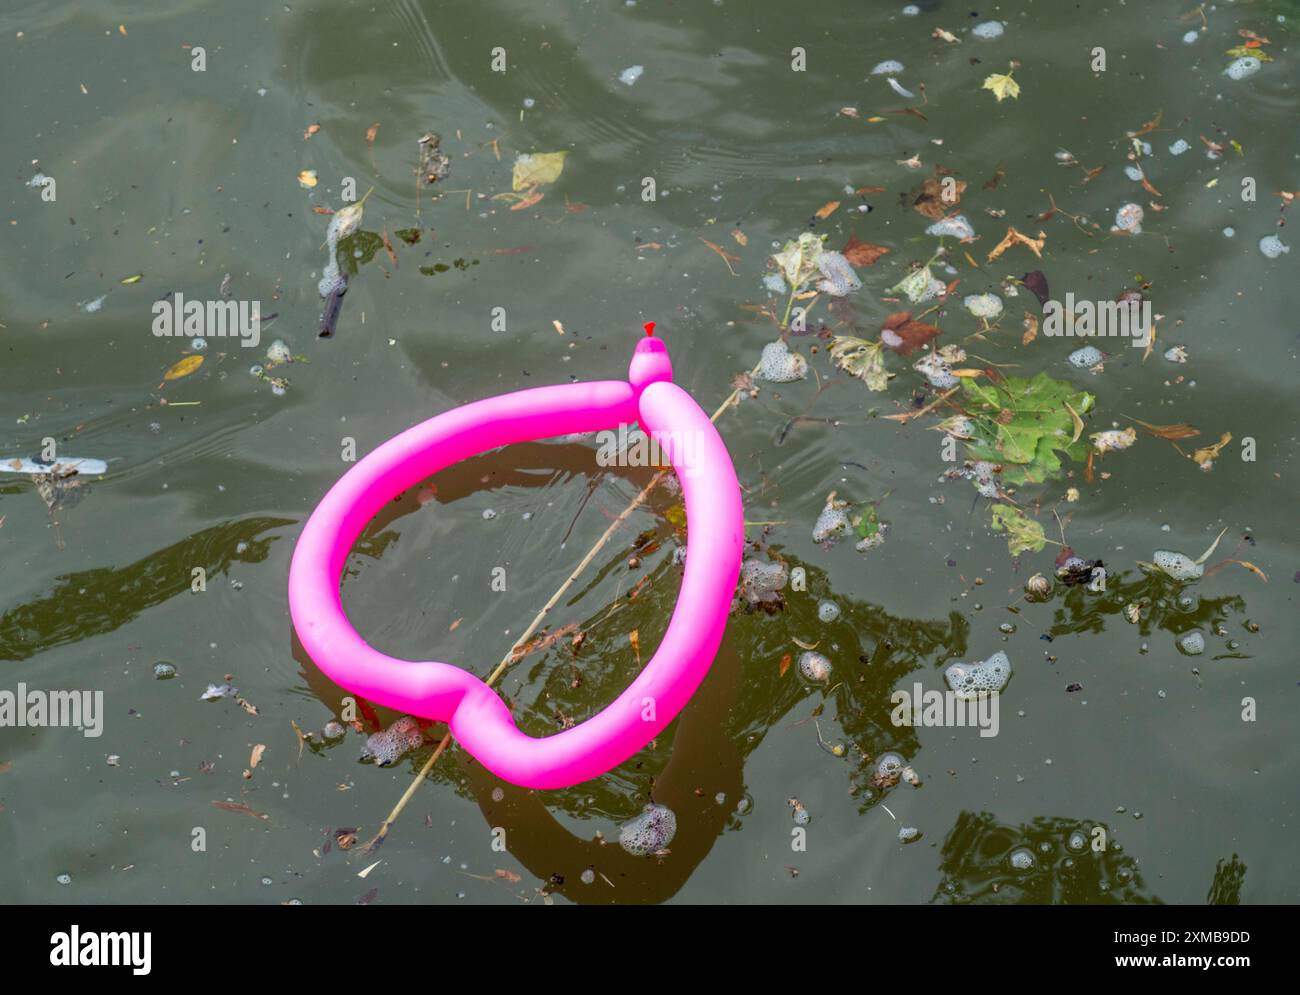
650	328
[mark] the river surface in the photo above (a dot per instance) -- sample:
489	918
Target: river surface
1175	773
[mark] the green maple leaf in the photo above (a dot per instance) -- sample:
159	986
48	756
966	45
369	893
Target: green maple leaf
1023	534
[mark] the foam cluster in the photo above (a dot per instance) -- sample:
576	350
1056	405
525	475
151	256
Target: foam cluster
840	279
971	680
648	832
778	364
388	746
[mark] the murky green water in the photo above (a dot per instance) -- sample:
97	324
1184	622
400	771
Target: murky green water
186	176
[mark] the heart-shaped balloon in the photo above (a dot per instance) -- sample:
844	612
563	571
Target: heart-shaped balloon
478	718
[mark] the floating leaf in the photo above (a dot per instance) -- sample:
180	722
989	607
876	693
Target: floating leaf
799	259
1206	457
1013	237
134	278
1024	535
1002	86
183	367
307	178
860	253
536	168
827	209
862	359
903	335
935	197
1023	424
918	285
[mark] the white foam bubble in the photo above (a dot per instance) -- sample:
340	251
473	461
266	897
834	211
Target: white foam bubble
1177	565
815	667
648	832
890	67
1085	358
1243	68
988	30
1272	246
778	364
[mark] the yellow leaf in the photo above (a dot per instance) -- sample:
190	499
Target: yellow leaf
132	279
534	169
184	368
307	178
1002	85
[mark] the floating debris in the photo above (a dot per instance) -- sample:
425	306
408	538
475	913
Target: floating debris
1038	588
92	305
434	166
216	692
64	466
778	364
649	832
898	88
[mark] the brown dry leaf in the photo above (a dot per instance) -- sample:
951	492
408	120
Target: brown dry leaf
1146	185
241	809
996	178
727	257
1093	173
302	738
371	132
183	367
1210	453
741	238
928	199
1252	568
1014	237
528	201
456	624
634	637
247	706
256	757
869	190
827	209
543	642
1182	430
1031	329
1078	422
905	336
947	36
1149	127
311	130
785	664
510	876
860	253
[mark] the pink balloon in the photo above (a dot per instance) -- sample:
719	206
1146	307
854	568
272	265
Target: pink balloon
478	718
